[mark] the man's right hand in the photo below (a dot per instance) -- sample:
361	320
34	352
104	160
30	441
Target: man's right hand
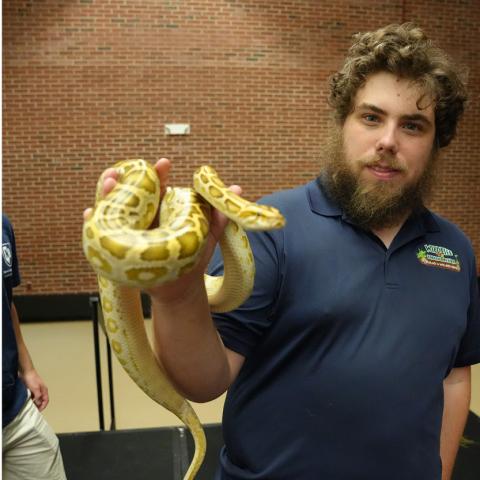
193	280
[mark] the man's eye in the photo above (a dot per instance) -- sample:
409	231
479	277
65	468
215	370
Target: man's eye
414	127
370	118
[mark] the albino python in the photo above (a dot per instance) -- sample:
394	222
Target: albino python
125	253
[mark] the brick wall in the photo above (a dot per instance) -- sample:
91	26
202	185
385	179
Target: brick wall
87	83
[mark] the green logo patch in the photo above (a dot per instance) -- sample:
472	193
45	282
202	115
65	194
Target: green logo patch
435	256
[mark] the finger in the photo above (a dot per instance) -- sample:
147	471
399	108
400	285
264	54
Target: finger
108	180
236	189
219	220
220	217
87	213
163	168
35	395
44	399
110	173
41	403
41	396
108	185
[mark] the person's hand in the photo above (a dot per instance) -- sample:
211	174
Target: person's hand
176	289
37	387
110	177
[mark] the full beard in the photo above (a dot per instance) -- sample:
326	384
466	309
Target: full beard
373	204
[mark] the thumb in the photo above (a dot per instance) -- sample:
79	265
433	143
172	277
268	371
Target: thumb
219	221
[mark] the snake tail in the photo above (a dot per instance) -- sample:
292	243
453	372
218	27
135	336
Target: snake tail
125	328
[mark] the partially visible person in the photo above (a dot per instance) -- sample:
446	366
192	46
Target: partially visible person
30	447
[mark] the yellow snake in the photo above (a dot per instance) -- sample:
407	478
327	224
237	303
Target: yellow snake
125	253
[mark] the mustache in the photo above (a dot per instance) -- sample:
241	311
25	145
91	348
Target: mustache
383	162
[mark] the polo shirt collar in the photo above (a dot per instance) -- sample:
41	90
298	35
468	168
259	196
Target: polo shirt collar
321	204
429	222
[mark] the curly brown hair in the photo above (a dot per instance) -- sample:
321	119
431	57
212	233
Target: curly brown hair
405	51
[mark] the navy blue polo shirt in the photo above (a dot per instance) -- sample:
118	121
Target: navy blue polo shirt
346	346
14	392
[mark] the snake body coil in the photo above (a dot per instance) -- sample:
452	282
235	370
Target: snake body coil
125	253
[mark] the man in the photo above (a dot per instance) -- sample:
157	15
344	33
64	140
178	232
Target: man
351	359
29	446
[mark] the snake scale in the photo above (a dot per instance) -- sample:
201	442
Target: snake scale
126	253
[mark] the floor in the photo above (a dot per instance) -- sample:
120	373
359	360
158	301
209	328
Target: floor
63	353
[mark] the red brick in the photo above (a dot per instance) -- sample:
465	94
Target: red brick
88	83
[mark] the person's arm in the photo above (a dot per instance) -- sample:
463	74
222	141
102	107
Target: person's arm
27	371
190	348
456	389
186	340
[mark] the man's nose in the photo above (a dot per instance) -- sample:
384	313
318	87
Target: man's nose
387	142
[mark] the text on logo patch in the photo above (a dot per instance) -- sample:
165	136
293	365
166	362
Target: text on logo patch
435	256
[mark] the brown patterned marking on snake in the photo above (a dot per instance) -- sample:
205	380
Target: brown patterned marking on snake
95	258
232	206
107	306
215	192
117	249
189	244
116	347
156	252
112	325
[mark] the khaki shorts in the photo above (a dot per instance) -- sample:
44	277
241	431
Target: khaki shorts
30	448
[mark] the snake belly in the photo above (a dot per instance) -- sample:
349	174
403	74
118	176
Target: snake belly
128	256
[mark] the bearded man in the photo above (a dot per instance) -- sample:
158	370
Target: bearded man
351	359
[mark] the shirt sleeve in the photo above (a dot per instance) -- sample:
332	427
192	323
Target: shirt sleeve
469	351
10	268
242	328
15	267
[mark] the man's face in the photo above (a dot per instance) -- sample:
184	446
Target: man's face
385	150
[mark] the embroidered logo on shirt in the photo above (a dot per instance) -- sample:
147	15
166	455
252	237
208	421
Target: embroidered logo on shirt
435	256
7	254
